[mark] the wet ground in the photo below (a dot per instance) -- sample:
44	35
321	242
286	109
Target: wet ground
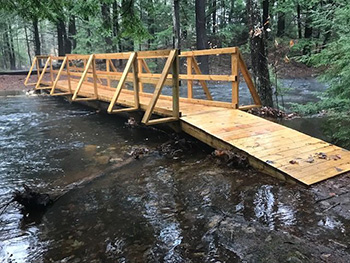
188	207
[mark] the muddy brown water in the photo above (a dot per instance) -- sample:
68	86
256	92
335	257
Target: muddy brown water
190	208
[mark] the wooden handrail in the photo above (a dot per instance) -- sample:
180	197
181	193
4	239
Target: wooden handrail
142	74
206	52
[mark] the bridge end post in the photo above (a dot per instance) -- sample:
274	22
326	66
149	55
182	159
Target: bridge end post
176	85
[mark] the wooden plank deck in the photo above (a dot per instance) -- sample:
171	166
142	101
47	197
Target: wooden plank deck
272	147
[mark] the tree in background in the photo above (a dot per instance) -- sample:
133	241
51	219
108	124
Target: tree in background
176	24
258	30
201	34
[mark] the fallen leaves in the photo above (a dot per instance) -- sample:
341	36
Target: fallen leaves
310	159
321	155
270	112
231	158
291	43
336	157
286	59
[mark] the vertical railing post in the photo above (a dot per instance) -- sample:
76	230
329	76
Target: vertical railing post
235	81
139	69
51	71
189	81
108	69
68	76
38	67
94	75
176	86
137	83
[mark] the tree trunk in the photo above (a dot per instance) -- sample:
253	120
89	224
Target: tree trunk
308	32
150	22
3	55
60	40
232	8
259	53
299	21
37	45
19	61
328	28
201	34
72	31
118	47
88	33
12	49
223	22
265	17
176	22
107	25
8	50
28	46
214	17
308	27
281	24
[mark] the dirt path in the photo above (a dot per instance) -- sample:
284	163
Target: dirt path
13	82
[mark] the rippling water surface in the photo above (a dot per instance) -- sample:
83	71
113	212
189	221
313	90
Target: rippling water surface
156	209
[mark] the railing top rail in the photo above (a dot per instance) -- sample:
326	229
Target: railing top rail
57	58
154	54
77	56
122	55
205	52
145	54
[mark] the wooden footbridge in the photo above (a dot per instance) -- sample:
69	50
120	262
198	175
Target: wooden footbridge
272	148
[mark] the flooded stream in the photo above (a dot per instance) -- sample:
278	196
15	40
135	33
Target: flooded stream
188	208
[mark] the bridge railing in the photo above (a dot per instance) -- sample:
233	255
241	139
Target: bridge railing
99	72
237	65
37	63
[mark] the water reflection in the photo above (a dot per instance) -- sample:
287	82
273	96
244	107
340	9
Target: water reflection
160	210
264	205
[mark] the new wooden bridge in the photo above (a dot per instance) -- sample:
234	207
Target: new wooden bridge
272	148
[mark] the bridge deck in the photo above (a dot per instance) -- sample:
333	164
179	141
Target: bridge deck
270	146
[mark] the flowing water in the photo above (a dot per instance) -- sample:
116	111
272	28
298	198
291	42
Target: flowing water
159	208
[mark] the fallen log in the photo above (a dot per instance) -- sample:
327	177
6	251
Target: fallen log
32	201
